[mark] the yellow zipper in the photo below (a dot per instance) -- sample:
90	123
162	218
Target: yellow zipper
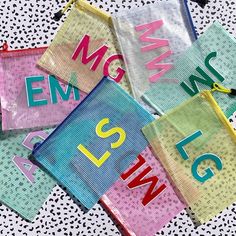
219	112
82	5
59	14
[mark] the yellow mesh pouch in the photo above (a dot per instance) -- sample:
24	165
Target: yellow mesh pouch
196	145
85	44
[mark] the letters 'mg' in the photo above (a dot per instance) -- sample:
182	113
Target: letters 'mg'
96	58
122	136
151	43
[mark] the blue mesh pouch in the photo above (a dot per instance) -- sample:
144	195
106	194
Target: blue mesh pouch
96	142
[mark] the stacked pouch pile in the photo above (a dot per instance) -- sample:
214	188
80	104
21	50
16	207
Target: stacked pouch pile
107	146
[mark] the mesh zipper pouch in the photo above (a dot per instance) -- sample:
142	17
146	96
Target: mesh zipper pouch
31	98
151	38
143	196
24	187
196	144
96	142
210	59
86	43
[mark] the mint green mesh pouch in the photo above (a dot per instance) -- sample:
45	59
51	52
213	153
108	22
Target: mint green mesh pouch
24	187
210	59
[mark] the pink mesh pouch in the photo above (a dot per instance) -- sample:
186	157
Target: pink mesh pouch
30	97
143	196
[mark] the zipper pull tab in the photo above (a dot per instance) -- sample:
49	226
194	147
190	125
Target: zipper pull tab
59	14
201	3
233	92
222	89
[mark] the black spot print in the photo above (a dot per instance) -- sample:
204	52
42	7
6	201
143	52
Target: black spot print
201	3
27	24
220	10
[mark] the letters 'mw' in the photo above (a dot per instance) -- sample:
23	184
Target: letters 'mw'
155	64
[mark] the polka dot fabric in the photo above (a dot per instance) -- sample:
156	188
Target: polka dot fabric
232	120
220	10
60	215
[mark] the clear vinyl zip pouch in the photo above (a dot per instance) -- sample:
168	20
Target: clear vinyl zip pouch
143	196
196	144
210	59
151	38
24	186
92	146
30	97
86	44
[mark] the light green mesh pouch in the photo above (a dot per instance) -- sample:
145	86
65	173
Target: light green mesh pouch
24	187
196	144
210	59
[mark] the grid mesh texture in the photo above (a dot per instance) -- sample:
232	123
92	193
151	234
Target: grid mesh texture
59	153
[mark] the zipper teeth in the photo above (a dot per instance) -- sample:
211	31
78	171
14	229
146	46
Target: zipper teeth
190	20
22	52
69	4
82	4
